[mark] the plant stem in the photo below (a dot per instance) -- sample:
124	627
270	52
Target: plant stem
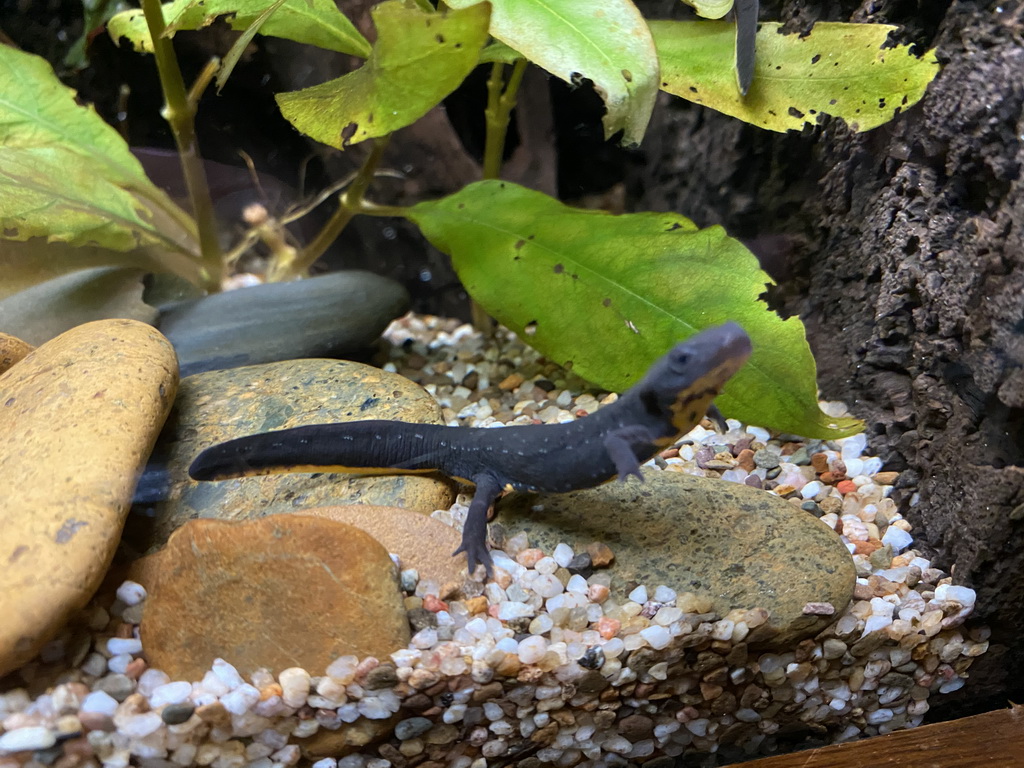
180	115
501	100
350	202
500	103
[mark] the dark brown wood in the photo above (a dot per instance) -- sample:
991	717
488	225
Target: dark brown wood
992	739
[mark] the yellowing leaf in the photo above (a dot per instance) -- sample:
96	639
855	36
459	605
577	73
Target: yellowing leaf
608	294
419	58
67	176
710	9
838	69
606	42
316	22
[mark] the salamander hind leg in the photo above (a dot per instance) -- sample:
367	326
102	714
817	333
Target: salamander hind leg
474	532
619	444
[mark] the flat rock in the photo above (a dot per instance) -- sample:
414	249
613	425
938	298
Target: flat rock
220	405
78	417
282	591
12	350
328	316
739	546
421	542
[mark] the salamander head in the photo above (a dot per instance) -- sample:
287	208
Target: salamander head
687	379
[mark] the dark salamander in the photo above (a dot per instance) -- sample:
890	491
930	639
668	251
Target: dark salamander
668	402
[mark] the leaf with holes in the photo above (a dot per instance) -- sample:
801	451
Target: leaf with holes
607	43
315	22
419	58
67	176
607	295
844	70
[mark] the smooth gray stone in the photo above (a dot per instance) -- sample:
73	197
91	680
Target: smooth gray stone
328	316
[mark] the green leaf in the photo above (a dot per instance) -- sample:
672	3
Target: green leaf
607	295
710	9
838	69
315	22
499	52
69	177
605	42
97	13
419	58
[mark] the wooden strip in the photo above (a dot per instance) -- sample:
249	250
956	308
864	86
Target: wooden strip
992	739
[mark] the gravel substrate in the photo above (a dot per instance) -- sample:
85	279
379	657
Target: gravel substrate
541	666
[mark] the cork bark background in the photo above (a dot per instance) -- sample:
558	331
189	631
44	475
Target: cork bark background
903	251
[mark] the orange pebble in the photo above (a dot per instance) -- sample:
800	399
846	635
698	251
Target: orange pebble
434	604
846	486
608	628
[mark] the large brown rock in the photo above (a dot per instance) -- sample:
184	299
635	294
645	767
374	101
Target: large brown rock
78	417
739	546
277	592
420	542
220	405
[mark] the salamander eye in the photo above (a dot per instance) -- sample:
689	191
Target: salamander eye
680	358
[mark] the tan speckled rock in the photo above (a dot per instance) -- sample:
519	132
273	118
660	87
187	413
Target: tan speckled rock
420	542
12	350
78	417
740	546
281	591
220	405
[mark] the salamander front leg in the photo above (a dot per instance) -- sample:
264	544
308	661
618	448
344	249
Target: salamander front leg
474	532
619	444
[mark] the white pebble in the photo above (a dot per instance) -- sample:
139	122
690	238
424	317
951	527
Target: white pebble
532	649
139	726
663	594
854	467
119	664
546	565
577	584
563	554
952	685
131	593
241	699
956	594
343	669
170	693
512	610
150	680
227	674
874	623
327	762
853	446
99	701
699	726
639	595
879	716
656	636
897	538
811	490
26	739
287	755
547	585
120	645
294	686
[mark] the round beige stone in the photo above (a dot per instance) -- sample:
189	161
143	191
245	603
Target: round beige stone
79	417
